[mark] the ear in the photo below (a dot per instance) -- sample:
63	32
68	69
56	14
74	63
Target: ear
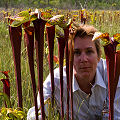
98	59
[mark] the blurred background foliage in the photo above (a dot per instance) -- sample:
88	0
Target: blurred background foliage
63	4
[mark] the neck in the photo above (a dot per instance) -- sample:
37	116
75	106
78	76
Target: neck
85	85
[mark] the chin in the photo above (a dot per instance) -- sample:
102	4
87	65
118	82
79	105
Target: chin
85	75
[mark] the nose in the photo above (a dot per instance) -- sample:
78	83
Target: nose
83	57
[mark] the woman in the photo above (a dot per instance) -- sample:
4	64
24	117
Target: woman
90	84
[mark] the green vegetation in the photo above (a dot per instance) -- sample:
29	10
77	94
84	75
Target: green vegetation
65	4
104	21
7	113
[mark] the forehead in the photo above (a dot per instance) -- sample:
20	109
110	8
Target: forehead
85	42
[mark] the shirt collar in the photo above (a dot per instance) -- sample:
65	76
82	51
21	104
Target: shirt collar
75	84
118	82
98	81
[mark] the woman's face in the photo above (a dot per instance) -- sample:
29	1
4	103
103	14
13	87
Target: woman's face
85	58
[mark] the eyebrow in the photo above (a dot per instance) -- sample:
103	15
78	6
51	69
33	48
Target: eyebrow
90	47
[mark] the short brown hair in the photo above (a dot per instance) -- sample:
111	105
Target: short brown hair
86	30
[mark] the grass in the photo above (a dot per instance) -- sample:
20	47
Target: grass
104	21
6	63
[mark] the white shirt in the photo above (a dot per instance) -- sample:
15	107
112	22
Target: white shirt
85	107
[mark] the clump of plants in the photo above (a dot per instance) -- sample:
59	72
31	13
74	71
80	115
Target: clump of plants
40	21
113	65
7	112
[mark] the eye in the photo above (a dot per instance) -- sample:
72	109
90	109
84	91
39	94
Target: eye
89	52
77	52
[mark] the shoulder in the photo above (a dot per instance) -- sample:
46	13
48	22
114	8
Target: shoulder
102	68
56	76
57	72
102	64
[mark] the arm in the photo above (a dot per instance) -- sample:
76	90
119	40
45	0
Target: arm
117	102
47	94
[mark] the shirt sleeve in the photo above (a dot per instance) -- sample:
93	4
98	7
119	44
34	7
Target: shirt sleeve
47	95
117	95
117	104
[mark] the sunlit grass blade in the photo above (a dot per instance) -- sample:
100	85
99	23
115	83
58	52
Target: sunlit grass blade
6	98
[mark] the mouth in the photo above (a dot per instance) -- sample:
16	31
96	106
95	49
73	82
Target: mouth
85	67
